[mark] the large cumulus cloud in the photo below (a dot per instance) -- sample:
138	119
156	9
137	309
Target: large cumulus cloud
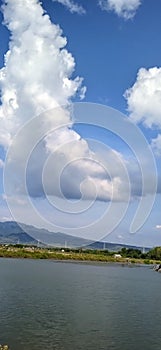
37	79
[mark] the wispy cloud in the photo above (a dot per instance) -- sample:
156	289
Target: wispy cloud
72	6
123	8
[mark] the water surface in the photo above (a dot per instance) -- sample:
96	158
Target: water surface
48	305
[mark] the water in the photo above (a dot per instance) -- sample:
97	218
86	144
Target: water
47	305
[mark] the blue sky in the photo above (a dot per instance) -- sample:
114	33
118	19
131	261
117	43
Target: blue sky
109	50
112	53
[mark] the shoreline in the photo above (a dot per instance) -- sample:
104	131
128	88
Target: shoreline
86	262
73	256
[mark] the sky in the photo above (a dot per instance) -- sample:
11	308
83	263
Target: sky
80	123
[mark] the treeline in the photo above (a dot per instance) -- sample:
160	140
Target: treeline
153	254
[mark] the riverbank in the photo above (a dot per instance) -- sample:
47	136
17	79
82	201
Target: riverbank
69	255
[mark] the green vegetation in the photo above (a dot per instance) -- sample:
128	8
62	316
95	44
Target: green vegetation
132	253
153	254
125	256
51	253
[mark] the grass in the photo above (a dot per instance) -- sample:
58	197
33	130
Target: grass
75	255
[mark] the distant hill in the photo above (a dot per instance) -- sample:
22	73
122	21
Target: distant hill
115	246
13	233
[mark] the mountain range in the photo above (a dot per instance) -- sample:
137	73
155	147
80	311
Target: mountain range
13	233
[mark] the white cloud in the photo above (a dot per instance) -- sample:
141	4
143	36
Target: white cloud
123	8
158	227
156	145
82	172
72	6
36	78
67	167
144	102
1	163
38	69
120	237
6	218
144	98
83	92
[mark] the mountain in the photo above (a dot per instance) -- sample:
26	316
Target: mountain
14	233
